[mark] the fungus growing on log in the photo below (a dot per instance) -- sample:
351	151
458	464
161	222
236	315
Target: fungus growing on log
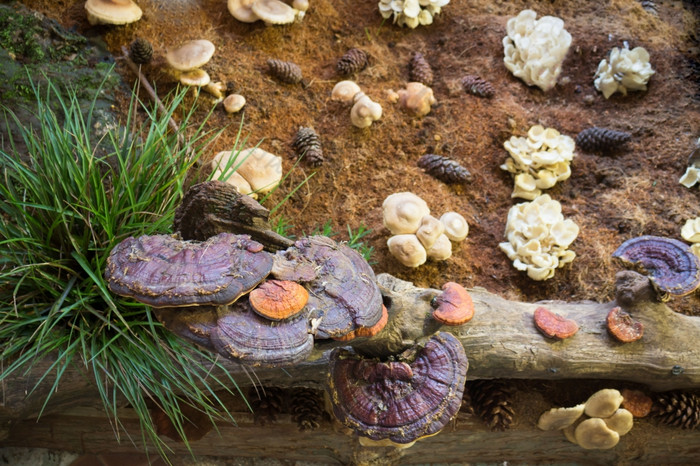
163	271
278	299
636	402
368	331
594	434
454	306
623	327
671	264
553	325
403	400
603	403
194	324
560	418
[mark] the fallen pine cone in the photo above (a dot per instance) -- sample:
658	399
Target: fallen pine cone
307	144
353	61
444	169
420	70
285	71
601	139
480	87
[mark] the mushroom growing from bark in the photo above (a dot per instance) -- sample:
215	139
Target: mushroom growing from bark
454	306
402	400
560	418
278	299
112	11
416	98
594	434
623	327
603	403
553	325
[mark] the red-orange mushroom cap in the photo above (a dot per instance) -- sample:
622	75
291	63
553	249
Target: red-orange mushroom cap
367	331
553	325
454	306
278	299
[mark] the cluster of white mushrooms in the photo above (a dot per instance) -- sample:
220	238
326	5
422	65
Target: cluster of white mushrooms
538	237
538	161
624	70
417	235
411	13
251	171
691	233
601	421
269	11
364	110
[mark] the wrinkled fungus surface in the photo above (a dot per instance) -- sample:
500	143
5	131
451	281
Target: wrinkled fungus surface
194	324
401	400
162	271
343	290
672	266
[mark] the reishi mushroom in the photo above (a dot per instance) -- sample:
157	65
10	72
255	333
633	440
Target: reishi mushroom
636	402
553	325
623	327
454	306
278	299
367	331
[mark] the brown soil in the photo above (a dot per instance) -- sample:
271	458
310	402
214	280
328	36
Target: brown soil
611	198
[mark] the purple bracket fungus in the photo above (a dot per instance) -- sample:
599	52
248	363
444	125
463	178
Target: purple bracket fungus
671	264
194	324
454	306
162	271
404	400
343	291
248	338
367	331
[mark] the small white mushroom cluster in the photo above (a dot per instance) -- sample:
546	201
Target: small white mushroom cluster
411	13
251	171
417	235
601	421
624	70
691	233
538	237
364	110
269	11
538	161
535	48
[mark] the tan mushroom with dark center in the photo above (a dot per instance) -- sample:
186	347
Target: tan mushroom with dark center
112	12
454	306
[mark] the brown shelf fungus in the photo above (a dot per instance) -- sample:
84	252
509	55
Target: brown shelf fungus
278	299
670	263
163	271
454	306
343	291
403	400
553	325
367	331
623	327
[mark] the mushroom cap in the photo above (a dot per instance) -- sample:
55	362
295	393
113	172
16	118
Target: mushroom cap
234	103
623	327
345	91
273	11
621	421
416	99
247	338
368	331
242	11
407	250
593	434
454	306
196	78
440	250
194	324
553	325
223	165
162	271
278	299
364	112
636	402
603	403
261	169
343	291
671	264
112	11
560	418
456	226
301	5
403	400
429	230
190	55
403	212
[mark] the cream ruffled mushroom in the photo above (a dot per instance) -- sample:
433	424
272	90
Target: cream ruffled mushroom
112	11
624	70
261	169
274	11
407	250
345	91
456	226
416	98
559	418
403	212
365	111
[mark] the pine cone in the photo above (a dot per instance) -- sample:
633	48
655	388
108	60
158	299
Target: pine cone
308	144
307	408
444	169
677	408
140	51
285	71
480	87
649	6
353	61
601	140
419	70
267	403
491	400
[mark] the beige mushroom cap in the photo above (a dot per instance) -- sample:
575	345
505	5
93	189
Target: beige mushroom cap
191	55
234	103
242	11
456	226
621	422
345	91
403	212
196	78
407	250
603	403
365	111
441	249
559	418
223	165
273	11
261	169
416	99
593	434
430	230
112	11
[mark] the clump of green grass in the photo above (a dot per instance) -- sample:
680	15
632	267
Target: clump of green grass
65	202
354	237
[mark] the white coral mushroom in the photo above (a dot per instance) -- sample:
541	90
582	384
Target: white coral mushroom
624	70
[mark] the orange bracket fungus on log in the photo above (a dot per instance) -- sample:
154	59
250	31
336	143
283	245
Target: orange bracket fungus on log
623	327
553	325
403	400
454	306
671	264
368	331
278	299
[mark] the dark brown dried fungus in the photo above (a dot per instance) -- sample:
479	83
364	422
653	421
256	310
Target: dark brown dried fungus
343	291
402	400
162	271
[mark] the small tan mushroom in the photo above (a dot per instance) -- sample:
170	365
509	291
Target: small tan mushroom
112	11
242	11
570	433
456	226
365	111
416	99
403	212
195	78
216	89
223	169
603	403
429	230
191	55
559	418
621	421
273	11
407	250
441	249
345	91
234	103
261	169
594	434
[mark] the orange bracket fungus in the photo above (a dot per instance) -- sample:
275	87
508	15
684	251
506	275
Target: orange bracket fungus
553	325
278	299
623	327
454	306
671	264
403	400
636	402
163	271
368	331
